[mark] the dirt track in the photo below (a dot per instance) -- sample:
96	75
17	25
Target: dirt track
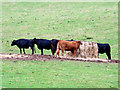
9	56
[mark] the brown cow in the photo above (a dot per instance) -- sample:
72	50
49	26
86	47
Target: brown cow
68	46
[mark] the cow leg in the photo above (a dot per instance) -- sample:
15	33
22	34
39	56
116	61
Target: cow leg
52	51
72	53
75	53
62	52
20	51
24	50
109	55
32	50
41	51
57	52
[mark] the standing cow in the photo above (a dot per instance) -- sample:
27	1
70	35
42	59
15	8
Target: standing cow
104	48
43	44
54	44
68	46
24	43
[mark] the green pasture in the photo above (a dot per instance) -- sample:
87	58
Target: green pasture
55	20
78	21
58	74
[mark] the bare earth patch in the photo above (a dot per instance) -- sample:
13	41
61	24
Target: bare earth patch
10	56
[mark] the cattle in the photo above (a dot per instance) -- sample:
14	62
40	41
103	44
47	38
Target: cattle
54	44
86	50
24	43
43	44
104	48
68	46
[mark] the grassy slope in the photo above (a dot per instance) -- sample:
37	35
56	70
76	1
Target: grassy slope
61	21
59	74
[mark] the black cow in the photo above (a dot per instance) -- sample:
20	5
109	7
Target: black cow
24	43
104	48
54	44
43	44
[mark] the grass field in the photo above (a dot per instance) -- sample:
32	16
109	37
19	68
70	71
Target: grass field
59	74
60	21
77	21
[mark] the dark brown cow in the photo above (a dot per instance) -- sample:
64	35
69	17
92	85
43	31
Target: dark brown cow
68	46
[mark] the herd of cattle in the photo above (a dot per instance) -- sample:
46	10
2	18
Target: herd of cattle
56	45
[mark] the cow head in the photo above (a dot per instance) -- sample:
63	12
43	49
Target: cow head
80	43
34	41
13	42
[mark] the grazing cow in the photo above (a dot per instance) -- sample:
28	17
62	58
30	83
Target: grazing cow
43	44
104	48
54	44
24	43
68	46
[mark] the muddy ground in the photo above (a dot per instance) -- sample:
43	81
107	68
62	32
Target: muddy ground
15	57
